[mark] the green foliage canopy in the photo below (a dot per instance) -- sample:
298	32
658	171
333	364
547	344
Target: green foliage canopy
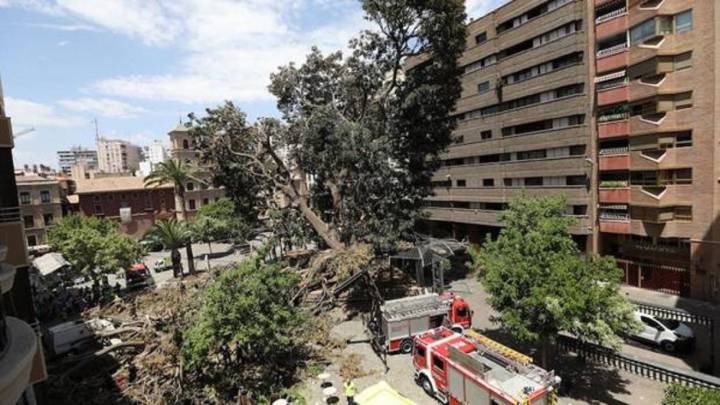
246	330
676	394
367	128
93	245
220	220
541	285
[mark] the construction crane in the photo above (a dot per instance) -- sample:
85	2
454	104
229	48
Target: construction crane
23	132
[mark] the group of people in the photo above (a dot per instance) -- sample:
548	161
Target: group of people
62	301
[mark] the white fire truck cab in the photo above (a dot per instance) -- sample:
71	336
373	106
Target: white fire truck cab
475	370
400	320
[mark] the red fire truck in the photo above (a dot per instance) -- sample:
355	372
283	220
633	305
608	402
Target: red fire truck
399	320
474	370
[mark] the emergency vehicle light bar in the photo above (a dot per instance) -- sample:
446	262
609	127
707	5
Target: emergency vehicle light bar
499	348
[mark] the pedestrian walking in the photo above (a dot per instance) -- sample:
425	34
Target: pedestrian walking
350	391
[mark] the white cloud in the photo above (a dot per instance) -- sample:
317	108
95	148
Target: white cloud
63	43
231	49
478	8
26	113
103	107
65	27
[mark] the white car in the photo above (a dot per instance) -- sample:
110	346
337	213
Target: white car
666	333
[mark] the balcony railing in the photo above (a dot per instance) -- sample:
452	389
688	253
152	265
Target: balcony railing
613	117
9	214
614	151
614	184
614	216
612	50
610	15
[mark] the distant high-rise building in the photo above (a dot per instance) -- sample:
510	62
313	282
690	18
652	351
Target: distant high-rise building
118	156
75	156
156	152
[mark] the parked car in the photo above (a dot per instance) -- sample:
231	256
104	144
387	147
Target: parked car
669	334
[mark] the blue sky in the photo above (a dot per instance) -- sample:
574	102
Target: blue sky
139	65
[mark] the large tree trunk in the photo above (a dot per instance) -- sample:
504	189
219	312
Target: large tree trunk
327	232
190	259
180	212
176	262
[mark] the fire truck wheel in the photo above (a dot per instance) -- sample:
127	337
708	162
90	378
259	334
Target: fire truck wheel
427	386
457	329
406	346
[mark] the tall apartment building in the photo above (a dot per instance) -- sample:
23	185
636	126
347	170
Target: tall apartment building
613	103
156	152
40	205
197	193
77	156
118	156
21	358
524	120
658	120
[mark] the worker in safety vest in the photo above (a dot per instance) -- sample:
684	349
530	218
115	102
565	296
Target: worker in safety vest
350	392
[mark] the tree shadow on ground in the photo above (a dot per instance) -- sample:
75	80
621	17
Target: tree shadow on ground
590	382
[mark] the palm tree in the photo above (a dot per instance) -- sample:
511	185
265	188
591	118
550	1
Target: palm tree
178	174
173	235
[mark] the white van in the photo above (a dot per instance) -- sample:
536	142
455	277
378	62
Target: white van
666	333
69	336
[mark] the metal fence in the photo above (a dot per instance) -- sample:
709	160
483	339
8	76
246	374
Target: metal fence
674	314
645	368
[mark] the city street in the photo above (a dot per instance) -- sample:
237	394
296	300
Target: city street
592	384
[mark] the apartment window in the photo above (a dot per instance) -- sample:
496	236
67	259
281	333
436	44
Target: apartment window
682	61
32	240
25	198
191	204
206	201
460	183
48	219
579	209
29	221
45	196
481	38
185	144
441	183
532	154
98	210
577	150
643	31
190	186
533	181
683	21
576	180
683	213
486	134
483	87
488	182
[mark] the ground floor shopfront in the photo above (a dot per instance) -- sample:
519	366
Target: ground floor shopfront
684	267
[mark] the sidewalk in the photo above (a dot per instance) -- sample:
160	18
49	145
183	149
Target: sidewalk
673	301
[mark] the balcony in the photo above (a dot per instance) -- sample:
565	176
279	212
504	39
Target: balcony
619	226
611	23
613	95
656	159
614	129
614	195
614	162
662	195
612	58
